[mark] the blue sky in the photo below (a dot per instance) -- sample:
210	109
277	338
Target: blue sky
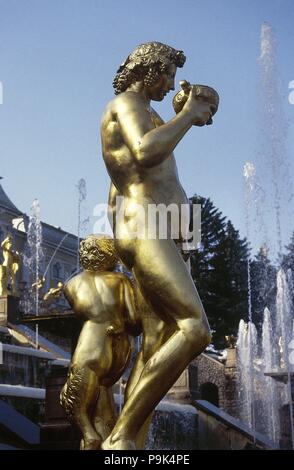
57	62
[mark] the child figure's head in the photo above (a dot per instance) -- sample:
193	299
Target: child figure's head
97	253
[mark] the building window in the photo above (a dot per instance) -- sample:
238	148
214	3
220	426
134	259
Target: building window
57	271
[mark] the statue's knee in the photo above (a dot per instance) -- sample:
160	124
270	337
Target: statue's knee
197	333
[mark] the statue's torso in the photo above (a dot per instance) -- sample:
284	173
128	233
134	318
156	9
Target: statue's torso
158	184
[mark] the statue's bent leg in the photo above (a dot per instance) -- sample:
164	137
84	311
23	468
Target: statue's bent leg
156	333
105	415
165	281
78	397
132	382
91	361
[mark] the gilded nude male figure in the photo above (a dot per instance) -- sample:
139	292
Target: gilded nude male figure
138	152
9	267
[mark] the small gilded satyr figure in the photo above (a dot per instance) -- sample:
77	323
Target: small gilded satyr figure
105	300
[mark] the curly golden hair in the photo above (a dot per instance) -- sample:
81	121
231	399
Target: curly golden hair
98	253
147	62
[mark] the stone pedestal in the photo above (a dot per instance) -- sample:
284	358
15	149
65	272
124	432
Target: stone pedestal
285	411
56	431
231	360
9	309
3	280
285	420
230	383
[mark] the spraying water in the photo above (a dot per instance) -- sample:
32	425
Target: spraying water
284	326
275	163
269	360
83	220
249	174
269	357
255	359
33	259
270	200
55	251
246	351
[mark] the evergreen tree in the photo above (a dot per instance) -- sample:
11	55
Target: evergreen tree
263	285
219	270
288	258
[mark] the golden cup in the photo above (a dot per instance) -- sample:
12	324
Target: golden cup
203	93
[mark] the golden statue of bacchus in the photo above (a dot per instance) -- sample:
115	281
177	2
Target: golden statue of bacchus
138	152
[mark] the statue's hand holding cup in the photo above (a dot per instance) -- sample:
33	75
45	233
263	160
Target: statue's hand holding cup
200	100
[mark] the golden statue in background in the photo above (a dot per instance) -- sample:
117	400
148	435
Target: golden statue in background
138	150
53	293
105	299
9	267
38	286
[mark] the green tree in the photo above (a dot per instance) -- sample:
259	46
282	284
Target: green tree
288	257
263	285
219	270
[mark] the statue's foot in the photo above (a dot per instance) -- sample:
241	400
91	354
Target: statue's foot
118	444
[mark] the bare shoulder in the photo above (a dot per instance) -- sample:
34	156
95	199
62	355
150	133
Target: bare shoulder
76	281
72	282
123	102
72	286
113	276
117	280
87	280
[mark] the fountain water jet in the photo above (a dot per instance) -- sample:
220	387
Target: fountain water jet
247	336
33	259
269	361
82	218
272	198
55	251
273	129
284	326
246	351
